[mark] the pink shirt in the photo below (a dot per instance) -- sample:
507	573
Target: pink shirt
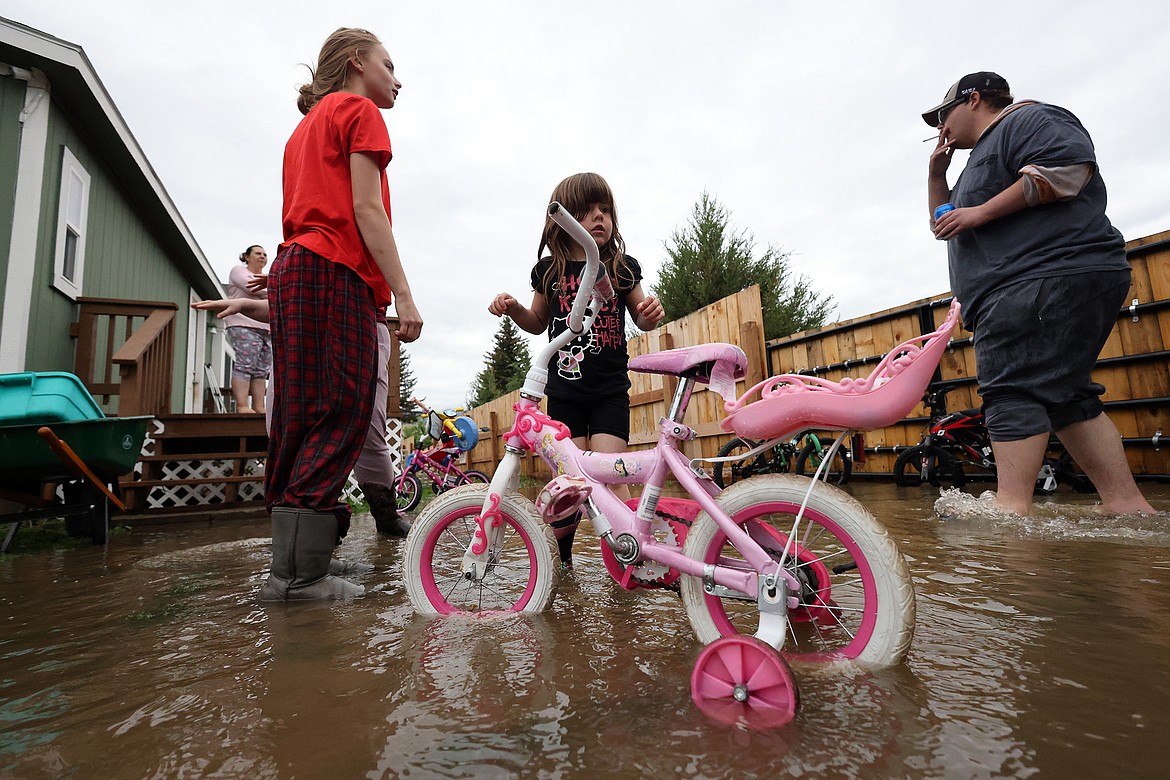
237	288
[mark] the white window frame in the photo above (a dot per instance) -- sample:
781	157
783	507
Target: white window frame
72	172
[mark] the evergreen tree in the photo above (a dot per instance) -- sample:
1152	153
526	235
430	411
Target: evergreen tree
406	383
709	260
504	366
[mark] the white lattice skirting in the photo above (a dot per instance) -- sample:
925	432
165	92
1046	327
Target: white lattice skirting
215	492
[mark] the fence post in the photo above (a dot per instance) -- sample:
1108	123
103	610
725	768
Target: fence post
494	424
751	339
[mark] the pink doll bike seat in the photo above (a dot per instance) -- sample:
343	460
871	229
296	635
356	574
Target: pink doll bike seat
718	365
790	403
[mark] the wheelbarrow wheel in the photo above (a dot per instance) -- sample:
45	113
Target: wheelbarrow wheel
94	521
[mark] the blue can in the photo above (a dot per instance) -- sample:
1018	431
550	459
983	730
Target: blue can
943	209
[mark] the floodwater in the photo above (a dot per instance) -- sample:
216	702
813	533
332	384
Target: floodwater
1042	649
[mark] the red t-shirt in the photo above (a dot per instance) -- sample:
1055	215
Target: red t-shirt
318	190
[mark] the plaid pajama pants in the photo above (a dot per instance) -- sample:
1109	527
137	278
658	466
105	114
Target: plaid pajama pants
325	347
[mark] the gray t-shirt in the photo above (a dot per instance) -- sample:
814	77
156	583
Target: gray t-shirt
1054	239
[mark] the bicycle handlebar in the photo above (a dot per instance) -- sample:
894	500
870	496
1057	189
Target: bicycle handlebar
594	287
589	278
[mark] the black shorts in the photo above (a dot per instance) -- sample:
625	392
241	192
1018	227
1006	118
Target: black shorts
1035	347
599	415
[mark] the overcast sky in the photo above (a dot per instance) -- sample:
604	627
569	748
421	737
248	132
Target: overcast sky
801	118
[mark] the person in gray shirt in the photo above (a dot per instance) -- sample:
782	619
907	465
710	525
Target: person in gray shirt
1041	273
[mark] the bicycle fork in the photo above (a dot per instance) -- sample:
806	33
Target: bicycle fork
488	538
924	469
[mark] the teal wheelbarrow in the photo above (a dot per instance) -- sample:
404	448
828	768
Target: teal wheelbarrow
52	431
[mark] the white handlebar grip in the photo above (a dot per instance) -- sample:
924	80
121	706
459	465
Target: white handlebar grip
565	220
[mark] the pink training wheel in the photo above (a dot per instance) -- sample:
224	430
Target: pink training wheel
741	679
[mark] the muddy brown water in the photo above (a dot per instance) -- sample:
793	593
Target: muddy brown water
1042	649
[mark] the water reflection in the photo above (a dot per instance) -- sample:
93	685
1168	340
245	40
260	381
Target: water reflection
1041	648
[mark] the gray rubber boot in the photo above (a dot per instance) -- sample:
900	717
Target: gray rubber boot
302	546
384	508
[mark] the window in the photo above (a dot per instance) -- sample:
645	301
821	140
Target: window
72	212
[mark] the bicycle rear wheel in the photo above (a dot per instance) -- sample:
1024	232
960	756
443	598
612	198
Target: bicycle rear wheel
474	477
1068	473
856	599
727	474
838	470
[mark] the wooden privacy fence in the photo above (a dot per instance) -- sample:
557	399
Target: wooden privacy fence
1134	367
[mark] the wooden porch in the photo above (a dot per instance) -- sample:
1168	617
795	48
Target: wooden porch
191	464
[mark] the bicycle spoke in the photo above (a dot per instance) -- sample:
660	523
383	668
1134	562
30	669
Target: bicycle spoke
451	590
821	558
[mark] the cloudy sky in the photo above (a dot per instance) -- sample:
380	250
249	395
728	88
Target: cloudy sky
801	118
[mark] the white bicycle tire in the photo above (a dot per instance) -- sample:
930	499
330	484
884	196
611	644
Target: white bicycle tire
891	630
453	513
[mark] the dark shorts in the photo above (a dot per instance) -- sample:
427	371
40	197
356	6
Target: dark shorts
600	415
1036	343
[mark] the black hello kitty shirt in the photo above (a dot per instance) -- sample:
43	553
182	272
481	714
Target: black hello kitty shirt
595	364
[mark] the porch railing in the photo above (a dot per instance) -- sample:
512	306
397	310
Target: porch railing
125	353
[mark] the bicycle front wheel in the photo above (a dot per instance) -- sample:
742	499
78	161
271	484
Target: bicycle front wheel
908	467
856	599
941	468
520	575
727	474
838	470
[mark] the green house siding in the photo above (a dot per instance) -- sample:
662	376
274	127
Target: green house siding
124	258
11	102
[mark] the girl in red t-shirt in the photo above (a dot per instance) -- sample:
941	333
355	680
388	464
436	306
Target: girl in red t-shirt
336	270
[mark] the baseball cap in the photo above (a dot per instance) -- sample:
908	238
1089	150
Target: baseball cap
962	89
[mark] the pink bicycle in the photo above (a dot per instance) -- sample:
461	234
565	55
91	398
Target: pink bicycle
777	562
452	434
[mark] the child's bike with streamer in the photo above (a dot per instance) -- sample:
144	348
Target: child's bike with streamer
452	434
775	569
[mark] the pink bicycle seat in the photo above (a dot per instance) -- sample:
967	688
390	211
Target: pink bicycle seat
719	365
790	403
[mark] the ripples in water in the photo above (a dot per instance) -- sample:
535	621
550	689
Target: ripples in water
1056	520
1037	650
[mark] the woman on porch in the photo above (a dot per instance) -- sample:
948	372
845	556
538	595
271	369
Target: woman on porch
250	338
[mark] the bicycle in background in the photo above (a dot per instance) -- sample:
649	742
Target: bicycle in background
452	434
955	442
742	458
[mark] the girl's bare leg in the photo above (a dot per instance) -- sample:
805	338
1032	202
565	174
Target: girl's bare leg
240	393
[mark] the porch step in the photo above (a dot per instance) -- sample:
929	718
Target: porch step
199	460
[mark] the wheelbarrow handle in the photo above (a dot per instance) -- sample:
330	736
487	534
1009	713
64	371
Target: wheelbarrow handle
77	465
